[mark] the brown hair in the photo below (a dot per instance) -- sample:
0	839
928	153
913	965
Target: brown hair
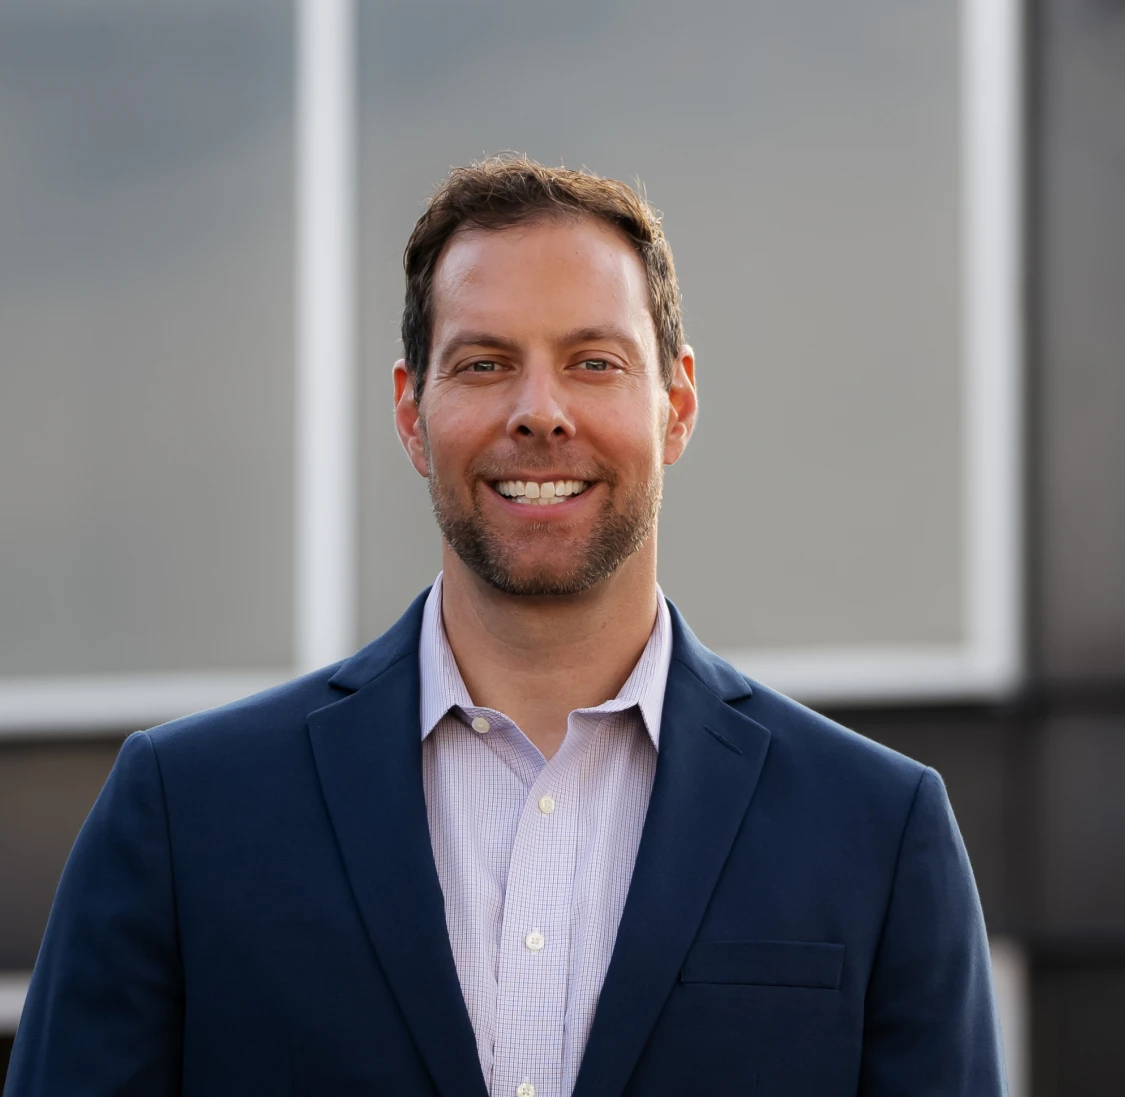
508	190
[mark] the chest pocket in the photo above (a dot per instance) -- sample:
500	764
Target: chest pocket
765	963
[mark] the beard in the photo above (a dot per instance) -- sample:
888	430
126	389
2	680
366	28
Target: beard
494	556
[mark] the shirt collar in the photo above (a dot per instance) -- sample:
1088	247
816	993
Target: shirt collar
443	687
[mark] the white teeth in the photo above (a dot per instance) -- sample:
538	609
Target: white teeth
544	494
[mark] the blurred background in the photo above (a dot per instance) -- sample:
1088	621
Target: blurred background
900	237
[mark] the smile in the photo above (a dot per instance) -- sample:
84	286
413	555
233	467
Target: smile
540	494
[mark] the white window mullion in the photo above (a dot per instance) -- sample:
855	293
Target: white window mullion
326	404
992	323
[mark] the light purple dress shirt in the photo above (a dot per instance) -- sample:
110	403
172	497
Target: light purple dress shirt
534	857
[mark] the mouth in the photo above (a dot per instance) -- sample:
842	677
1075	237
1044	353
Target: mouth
541	493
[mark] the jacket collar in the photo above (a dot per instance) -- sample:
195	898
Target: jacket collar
398	642
402	638
368	755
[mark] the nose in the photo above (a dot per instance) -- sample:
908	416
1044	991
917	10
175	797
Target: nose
540	412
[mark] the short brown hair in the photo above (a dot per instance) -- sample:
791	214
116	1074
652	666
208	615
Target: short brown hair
508	190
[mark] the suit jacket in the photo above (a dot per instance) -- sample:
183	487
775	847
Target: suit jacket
252	908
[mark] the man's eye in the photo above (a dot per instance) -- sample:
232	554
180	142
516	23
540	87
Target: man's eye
482	367
595	365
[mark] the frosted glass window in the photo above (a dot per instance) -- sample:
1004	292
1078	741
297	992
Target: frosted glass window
806	155
146	336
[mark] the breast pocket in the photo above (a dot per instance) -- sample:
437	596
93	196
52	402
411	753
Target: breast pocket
814	964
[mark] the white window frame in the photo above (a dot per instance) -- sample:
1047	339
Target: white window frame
987	665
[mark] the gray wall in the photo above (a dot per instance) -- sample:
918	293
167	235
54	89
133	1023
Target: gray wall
1079	339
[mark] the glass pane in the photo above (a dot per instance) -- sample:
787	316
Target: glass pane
146	335
806	156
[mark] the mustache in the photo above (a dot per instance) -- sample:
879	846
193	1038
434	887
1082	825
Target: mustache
506	470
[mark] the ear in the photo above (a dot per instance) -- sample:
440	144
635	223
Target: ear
407	418
683	405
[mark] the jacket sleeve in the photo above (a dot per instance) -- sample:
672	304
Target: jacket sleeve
930	1023
104	1012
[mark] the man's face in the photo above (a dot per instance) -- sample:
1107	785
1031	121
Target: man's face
544	424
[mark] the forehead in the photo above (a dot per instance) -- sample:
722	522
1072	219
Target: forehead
548	275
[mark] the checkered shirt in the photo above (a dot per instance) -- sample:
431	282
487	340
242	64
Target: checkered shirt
534	856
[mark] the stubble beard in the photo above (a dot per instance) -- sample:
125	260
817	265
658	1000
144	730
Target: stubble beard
616	535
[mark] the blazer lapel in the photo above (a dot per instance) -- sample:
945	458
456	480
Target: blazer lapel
710	759
367	749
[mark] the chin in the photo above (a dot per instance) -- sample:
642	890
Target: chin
539	580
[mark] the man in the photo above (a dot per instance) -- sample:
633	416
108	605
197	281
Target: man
536	840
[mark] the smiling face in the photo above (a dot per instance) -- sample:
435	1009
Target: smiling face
544	425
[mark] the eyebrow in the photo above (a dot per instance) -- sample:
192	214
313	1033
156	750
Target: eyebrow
593	334
477	339
602	335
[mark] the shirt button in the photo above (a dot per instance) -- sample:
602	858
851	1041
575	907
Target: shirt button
535	940
481	725
546	804
525	1089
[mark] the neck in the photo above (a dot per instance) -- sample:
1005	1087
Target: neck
538	659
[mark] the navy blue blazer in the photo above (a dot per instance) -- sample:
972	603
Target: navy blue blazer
252	909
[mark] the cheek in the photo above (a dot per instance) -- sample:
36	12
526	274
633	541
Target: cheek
633	438
456	437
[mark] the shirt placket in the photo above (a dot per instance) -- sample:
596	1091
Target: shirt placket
534	958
